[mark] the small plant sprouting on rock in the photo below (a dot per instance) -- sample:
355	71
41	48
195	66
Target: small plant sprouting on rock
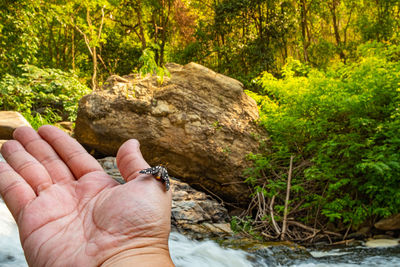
150	66
216	125
227	150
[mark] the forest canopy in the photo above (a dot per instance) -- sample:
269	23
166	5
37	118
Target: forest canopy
240	38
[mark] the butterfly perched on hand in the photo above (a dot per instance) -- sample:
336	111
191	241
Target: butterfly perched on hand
160	173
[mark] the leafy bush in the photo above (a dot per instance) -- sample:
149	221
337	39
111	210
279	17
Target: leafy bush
343	126
150	66
42	95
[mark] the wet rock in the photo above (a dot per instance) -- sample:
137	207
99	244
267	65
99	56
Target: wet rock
362	233
9	121
198	123
278	255
391	233
193	213
381	243
382	236
391	223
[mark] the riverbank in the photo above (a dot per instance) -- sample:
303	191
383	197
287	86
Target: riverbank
237	252
187	252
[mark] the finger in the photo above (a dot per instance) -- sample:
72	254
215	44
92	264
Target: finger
16	192
26	166
71	152
130	160
44	153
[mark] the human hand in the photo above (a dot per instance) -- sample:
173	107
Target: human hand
71	213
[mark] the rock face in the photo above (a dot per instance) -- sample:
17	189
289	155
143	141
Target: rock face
193	212
9	121
196	214
389	224
198	123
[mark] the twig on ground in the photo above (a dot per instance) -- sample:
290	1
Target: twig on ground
348	229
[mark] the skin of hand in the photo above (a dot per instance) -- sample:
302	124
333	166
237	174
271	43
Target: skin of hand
71	213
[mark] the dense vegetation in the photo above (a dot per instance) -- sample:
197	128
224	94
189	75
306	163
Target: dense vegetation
43	96
342	126
324	73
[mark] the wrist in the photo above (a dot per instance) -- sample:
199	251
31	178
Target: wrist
140	257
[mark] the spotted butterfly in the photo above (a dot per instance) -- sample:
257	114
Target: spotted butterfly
160	173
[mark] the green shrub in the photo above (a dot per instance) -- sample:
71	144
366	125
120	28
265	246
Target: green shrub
343	126
42	95
150	66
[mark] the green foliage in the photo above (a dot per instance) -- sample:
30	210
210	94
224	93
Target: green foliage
345	122
120	46
240	38
244	225
18	42
151	67
42	95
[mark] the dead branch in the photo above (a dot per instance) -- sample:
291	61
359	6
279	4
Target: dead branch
268	236
87	42
217	197
308	237
296	207
239	182
285	212
312	229
348	229
271	210
343	242
104	64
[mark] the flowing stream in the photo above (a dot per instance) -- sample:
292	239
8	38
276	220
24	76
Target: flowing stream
190	253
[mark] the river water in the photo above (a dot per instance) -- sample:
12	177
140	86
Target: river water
190	253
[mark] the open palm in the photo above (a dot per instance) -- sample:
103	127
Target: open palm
70	212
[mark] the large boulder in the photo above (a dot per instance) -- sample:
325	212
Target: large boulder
388	224
197	123
9	121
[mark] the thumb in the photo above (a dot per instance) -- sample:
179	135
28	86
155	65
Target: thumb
130	160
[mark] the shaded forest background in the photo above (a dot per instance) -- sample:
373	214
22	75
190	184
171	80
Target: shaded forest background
325	74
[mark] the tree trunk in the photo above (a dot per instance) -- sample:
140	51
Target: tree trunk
164	27
335	22
73	49
140	24
303	20
94	75
51	43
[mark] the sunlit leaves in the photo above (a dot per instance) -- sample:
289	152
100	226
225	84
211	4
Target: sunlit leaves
47	95
346	122
150	66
